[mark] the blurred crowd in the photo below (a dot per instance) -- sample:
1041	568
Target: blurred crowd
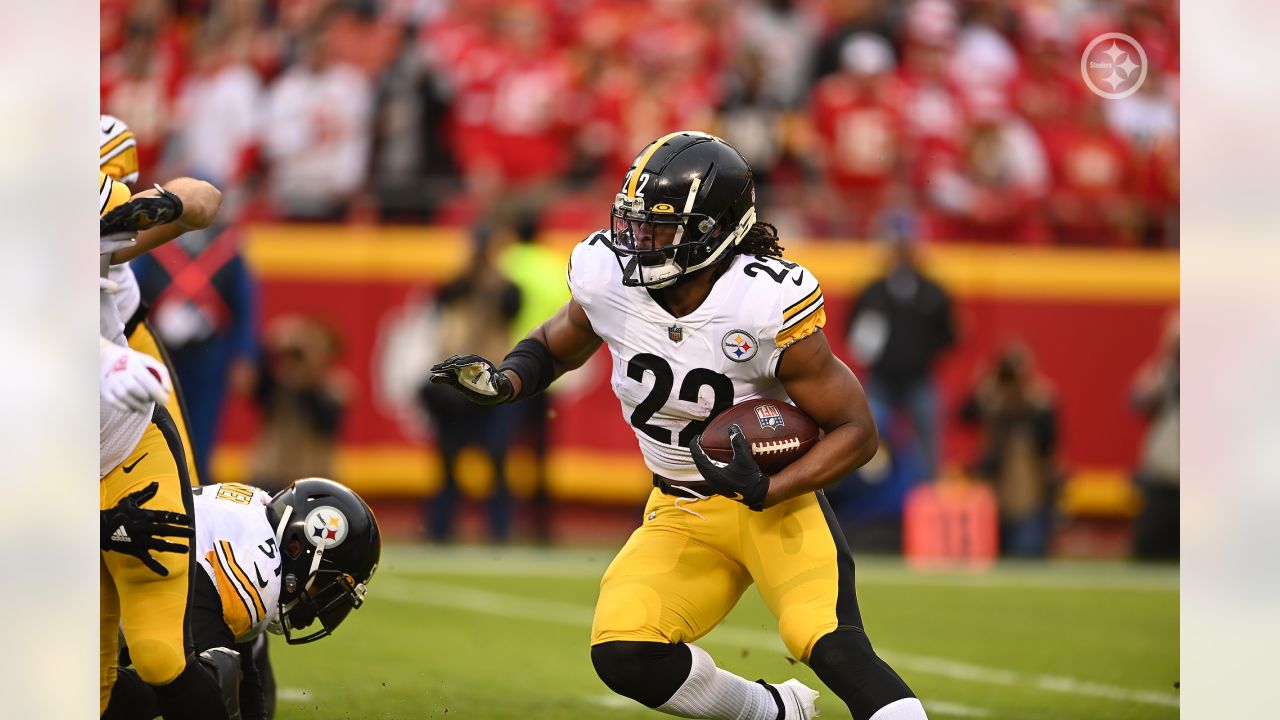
920	120
942	119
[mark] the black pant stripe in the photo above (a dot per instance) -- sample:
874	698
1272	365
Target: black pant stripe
164	423
847	612
173	378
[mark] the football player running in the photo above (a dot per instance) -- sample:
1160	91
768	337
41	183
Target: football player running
700	311
268	564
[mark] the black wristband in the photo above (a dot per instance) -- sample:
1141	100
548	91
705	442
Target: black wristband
532	361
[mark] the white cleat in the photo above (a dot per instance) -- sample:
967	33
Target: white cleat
798	699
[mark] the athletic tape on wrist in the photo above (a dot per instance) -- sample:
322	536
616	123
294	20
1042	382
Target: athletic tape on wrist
532	361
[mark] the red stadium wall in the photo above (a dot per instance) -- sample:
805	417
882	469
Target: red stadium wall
1090	317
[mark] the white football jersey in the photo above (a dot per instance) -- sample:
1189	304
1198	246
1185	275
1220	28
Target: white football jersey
236	547
129	296
118	430
672	374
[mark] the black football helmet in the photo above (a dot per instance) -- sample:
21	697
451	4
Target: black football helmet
329	549
688	198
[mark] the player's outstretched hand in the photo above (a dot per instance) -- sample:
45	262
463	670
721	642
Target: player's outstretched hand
475	377
133	530
141	213
130	381
739	479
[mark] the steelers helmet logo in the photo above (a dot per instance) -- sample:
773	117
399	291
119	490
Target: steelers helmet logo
738	345
326	527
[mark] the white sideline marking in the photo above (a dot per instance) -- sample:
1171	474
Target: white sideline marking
519	562
941	707
613	702
462	597
292	694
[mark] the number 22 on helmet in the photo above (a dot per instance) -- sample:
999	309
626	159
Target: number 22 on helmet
688	198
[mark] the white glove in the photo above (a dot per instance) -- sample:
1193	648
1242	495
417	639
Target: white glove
130	380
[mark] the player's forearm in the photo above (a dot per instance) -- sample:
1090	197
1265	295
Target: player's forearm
560	364
200	204
846	447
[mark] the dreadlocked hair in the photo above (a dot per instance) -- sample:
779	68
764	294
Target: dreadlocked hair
761	239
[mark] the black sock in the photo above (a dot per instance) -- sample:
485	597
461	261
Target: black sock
131	698
193	695
844	661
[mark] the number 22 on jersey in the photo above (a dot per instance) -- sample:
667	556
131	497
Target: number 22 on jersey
690	387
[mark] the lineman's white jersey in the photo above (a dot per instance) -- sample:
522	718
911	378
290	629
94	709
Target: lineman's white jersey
129	296
236	548
118	430
671	374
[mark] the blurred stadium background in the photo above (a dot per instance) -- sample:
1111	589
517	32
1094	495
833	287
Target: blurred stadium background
374	152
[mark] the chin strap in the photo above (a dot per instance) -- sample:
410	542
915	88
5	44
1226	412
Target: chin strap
733	238
283	616
284	520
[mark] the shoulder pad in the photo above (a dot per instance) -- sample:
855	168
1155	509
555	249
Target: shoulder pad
111	193
592	265
801	311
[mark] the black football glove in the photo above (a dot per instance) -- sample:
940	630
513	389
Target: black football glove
475	377
739	479
141	213
133	530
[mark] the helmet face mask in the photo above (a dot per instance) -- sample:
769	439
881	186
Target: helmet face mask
328	598
687	199
661	246
330	546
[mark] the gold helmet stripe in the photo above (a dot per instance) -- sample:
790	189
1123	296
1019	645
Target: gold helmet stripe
644	160
114	146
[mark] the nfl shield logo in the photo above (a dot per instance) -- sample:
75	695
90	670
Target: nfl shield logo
675	333
770	418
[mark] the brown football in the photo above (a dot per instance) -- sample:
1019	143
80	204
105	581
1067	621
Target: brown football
779	433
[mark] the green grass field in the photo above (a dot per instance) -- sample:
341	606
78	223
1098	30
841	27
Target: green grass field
502	633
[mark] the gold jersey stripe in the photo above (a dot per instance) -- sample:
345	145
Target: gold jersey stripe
235	613
644	160
111	194
237	582
244	578
808	310
800	306
803	329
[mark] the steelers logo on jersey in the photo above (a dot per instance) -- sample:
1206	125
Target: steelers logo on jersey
739	345
326	527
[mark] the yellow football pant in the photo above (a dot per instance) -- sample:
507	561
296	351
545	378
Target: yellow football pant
144	341
679	575
150	609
